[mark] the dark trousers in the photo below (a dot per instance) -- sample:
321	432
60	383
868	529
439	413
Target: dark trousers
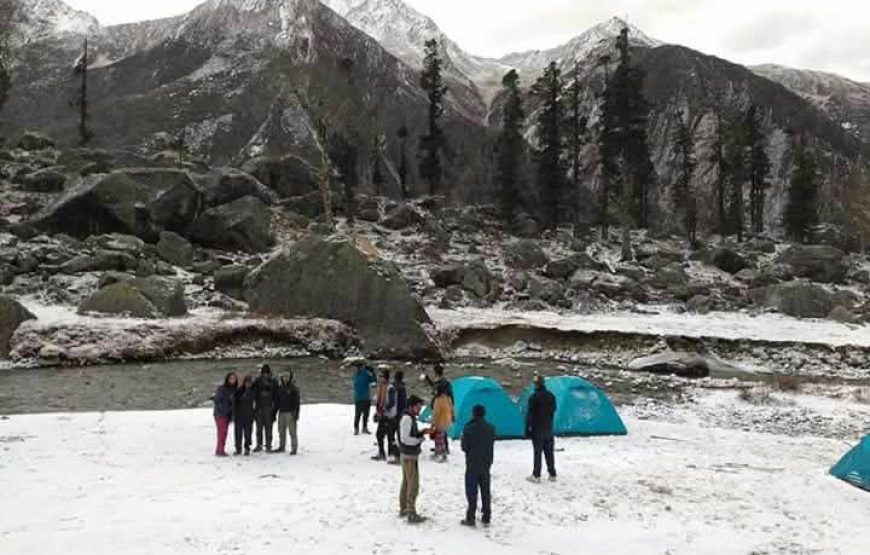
265	423
362	413
386	430
473	483
243	427
545	446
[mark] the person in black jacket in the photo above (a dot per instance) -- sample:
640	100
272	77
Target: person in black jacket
243	415
265	395
539	427
478	442
288	413
398	403
223	411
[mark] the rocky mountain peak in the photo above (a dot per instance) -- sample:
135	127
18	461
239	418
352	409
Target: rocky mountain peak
43	19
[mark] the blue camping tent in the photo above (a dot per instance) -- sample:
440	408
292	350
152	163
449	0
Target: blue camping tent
581	408
855	466
501	411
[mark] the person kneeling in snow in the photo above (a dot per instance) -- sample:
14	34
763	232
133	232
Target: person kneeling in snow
410	440
478	442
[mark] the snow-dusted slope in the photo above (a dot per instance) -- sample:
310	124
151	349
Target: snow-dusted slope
40	19
843	100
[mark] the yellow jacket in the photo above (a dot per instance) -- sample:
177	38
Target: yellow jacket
442	417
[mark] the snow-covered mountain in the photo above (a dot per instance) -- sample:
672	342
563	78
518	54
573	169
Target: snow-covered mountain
843	100
42	19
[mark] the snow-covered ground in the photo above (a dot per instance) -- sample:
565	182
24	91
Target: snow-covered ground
721	325
147	483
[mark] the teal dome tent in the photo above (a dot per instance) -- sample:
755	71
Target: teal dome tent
501	411
855	466
581	408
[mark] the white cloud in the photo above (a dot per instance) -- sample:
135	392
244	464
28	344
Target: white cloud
832	35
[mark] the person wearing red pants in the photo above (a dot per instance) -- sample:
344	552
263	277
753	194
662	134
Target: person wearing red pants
223	411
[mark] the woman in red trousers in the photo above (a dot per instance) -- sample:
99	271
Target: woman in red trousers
223	411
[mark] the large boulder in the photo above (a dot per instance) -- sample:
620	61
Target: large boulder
525	254
401	217
32	141
478	279
244	224
151	297
132	201
175	249
289	176
445	276
566	267
224	185
332	278
728	260
47	180
685	364
12	314
798	299
821	263
230	280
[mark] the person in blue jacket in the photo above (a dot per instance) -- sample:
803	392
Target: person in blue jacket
362	396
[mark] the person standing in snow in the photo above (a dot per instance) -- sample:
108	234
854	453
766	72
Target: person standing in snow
223	411
440	383
265	395
442	419
398	405
539	428
243	415
362	397
478	443
288	413
382	405
410	440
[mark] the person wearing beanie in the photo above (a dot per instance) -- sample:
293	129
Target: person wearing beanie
410	440
539	428
478	443
288	400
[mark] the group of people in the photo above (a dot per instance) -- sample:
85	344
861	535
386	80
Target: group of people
257	402
400	439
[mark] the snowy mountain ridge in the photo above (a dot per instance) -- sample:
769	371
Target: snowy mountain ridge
43	19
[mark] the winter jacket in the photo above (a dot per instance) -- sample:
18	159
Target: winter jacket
442	414
288	399
223	402
410	437
539	418
362	383
381	397
265	395
243	403
391	405
401	397
439	385
478	442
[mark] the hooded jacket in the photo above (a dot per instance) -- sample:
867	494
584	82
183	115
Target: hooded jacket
243	403
288	398
542	409
478	443
223	402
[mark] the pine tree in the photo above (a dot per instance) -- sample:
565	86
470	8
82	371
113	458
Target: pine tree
344	153
576	137
858	203
623	146
801	212
510	146
551	171
718	160
684	197
403	134
379	145
81	69
736	170
433	143
8	9
759	168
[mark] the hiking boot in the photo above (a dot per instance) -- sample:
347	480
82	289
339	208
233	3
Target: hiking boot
466	522
356	432
293	453
403	514
221	455
379	457
247	452
236	453
534	479
366	431
414	518
552	478
258	449
279	450
485	521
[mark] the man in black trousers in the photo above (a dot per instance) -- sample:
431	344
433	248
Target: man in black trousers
478	441
539	427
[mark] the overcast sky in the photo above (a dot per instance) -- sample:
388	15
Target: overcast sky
831	35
